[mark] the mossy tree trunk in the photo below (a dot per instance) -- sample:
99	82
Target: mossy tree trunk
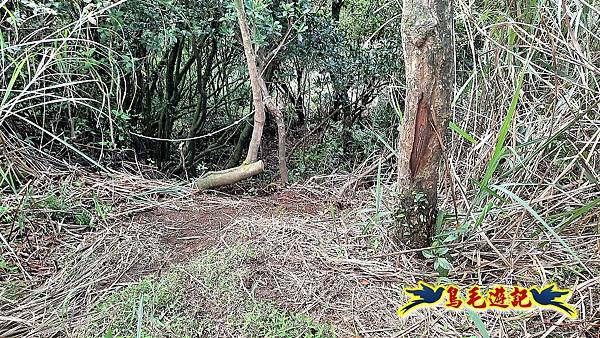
428	52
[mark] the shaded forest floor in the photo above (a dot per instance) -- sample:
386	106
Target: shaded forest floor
290	263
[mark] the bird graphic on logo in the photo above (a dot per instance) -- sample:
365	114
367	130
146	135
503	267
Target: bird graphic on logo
424	294
553	297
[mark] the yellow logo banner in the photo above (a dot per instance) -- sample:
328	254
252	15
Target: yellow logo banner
497	297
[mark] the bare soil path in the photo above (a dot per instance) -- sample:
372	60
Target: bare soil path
290	263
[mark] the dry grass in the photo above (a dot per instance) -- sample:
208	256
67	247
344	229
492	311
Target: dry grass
322	248
312	260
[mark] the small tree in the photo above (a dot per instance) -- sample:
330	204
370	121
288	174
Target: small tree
251	166
428	54
261	98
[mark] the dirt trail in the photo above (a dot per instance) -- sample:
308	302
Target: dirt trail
295	249
303	259
210	219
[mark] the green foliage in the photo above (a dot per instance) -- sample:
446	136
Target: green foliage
14	289
330	155
499	150
439	253
320	157
102	208
9	178
135	68
5	267
60	207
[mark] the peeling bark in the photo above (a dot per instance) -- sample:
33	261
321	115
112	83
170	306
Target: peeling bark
428	53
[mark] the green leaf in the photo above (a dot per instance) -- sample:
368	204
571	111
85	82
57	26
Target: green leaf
452	237
442	251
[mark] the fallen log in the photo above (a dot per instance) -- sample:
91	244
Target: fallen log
225	177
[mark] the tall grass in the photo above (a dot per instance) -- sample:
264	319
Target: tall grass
529	97
54	72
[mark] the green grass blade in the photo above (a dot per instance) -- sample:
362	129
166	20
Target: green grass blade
8	178
462	132
520	165
2	46
539	219
483	214
499	149
478	323
397	108
576	213
463	88
12	81
385	143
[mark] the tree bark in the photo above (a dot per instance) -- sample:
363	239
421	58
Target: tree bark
428	54
278	115
299	101
259	108
165	121
229	176
251	165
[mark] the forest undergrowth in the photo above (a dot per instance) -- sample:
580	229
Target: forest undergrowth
103	234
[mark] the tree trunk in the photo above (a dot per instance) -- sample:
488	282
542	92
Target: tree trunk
341	102
201	110
336	8
242	143
165	122
251	166
229	176
428	54
278	115
259	108
299	101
